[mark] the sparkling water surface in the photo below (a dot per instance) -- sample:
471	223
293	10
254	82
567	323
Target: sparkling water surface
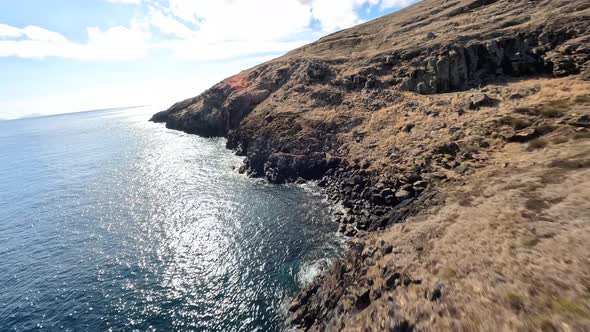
109	222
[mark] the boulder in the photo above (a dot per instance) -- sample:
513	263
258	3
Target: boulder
408	127
450	148
402	195
523	135
362	298
392	280
386	249
481	100
436	293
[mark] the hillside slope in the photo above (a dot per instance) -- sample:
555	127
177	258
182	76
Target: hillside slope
468	121
290	115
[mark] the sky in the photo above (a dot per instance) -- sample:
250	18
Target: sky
65	56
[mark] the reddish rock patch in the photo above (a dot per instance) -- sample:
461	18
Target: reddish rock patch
238	82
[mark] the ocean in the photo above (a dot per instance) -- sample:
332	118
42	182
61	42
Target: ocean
111	223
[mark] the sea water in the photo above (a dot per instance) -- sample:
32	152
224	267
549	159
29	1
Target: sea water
111	223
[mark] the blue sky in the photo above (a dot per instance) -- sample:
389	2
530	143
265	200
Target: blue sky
73	55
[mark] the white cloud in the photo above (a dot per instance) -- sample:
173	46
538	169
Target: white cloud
44	35
231	29
397	3
195	49
334	14
234	28
196	29
10	31
225	20
169	25
341	14
128	2
248	31
116	43
271	19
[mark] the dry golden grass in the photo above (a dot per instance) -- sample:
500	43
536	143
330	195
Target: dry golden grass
559	140
515	301
568	307
515	123
538	143
582	135
522	243
384	143
582	99
554	108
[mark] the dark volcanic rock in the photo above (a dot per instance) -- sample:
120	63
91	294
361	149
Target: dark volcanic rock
363	299
160	117
481	100
436	293
386	249
458	67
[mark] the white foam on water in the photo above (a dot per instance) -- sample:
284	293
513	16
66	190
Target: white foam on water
311	270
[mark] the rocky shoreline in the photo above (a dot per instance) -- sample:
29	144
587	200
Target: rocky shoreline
367	206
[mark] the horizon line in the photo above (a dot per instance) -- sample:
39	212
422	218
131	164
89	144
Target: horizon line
36	116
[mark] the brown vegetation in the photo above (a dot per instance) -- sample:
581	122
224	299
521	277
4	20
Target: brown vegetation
515	258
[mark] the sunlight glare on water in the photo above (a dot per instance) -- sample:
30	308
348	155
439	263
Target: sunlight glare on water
109	222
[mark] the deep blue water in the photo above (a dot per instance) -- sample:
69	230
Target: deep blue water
109	222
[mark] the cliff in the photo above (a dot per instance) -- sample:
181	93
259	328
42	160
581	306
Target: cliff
458	114
288	116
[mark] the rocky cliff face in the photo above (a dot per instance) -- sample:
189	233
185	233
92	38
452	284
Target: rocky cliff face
391	116
272	113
